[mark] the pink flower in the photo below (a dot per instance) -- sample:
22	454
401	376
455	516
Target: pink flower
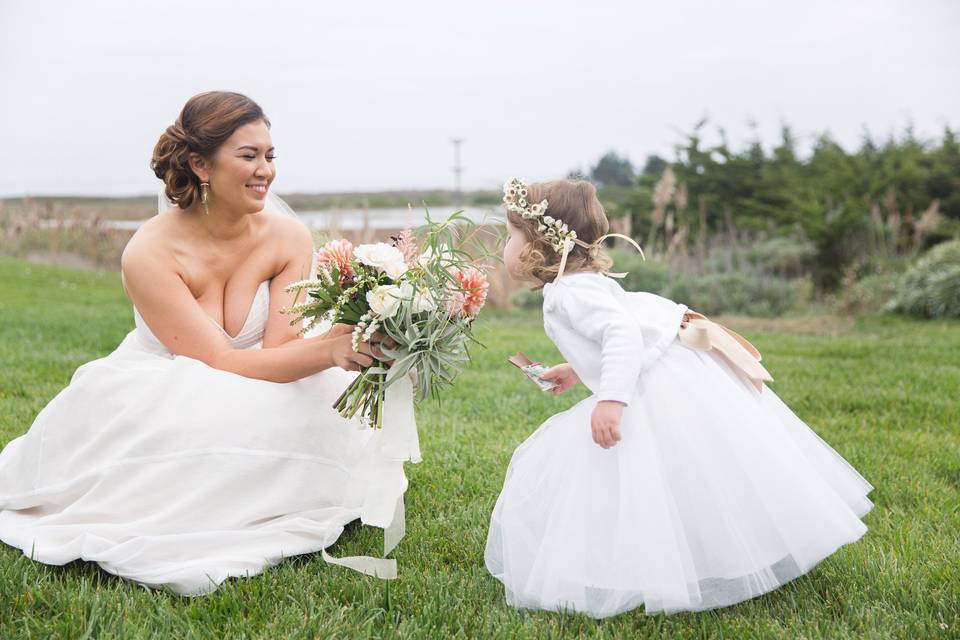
337	253
407	244
455	302
474	286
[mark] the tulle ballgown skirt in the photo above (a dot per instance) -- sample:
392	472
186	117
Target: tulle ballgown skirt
174	474
716	493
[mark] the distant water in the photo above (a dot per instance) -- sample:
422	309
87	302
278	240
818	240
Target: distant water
354	219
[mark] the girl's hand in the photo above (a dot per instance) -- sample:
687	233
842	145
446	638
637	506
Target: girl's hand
564	375
605	422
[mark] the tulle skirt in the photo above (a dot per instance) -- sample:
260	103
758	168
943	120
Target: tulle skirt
174	474
716	493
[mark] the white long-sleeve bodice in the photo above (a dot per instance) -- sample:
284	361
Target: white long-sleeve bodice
607	334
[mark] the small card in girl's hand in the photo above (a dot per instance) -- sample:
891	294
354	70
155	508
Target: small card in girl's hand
532	370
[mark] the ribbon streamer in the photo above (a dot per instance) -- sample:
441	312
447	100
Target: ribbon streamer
568	246
397	442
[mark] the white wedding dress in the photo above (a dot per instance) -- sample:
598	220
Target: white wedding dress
174	474
716	493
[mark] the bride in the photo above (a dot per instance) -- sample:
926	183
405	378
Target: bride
205	445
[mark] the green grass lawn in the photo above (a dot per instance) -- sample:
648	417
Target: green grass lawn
882	391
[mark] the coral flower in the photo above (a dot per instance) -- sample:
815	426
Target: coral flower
337	253
474	285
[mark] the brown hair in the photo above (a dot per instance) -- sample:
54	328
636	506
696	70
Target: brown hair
205	123
575	203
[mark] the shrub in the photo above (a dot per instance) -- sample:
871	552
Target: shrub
931	288
785	257
642	275
869	294
527	299
735	292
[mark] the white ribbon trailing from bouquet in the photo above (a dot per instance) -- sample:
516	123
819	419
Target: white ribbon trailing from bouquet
397	442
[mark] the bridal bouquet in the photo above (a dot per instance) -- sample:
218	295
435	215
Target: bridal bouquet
421	295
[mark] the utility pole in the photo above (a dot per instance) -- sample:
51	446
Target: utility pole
457	170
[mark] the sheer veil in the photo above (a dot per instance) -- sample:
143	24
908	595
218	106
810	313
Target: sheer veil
273	202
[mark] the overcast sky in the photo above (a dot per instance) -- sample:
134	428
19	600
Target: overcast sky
366	95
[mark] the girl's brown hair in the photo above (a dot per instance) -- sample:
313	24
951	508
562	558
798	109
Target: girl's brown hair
575	203
205	123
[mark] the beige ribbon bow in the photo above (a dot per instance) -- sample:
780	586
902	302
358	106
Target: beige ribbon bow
700	333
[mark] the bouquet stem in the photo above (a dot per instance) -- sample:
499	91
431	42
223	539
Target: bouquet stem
364	396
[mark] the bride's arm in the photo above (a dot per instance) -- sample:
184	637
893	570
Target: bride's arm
176	319
295	258
293	254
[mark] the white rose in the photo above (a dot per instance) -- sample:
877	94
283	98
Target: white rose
379	255
395	269
430	255
384	300
423	301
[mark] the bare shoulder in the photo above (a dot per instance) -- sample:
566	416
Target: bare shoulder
147	253
288	227
291	237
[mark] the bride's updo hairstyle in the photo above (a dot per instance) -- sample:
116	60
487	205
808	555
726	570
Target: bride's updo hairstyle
205	123
575	203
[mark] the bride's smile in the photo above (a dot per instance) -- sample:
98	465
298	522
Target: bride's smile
241	171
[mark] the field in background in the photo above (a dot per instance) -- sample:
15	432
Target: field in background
91	233
880	390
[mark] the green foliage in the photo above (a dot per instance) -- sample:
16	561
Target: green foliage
737	292
751	281
613	170
879	391
526	298
781	256
642	275
931	288
855	207
869	294
654	165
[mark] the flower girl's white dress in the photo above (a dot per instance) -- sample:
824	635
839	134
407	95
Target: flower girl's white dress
171	473
716	493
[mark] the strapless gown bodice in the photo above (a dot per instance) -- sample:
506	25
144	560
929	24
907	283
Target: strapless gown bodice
249	336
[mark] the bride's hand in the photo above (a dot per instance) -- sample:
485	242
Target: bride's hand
343	355
338	329
375	341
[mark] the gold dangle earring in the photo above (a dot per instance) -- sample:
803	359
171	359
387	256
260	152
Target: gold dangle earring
205	196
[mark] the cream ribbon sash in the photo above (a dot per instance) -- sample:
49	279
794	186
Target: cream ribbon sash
700	333
383	506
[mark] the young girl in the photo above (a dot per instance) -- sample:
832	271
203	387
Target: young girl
683	483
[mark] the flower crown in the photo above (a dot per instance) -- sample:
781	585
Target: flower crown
515	198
